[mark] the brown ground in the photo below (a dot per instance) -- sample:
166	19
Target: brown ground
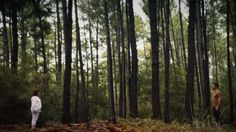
83	127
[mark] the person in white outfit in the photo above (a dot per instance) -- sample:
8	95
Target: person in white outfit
36	106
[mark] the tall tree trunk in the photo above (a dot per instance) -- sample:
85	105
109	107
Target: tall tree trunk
121	62
35	49
67	18
134	73
214	45
14	59
128	45
23	42
182	36
109	68
85	109
45	69
163	29
167	63
55	50
59	68
155	59
191	60
114	67
77	63
200	52
10	38
5	37
84	112
174	43
229	67
123	58
91	53
97	45
205	61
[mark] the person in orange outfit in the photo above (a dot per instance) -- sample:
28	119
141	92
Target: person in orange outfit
216	102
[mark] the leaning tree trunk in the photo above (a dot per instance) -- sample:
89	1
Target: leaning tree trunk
191	60
109	68
155	59
67	18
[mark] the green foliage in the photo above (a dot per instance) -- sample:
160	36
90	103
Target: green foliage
14	103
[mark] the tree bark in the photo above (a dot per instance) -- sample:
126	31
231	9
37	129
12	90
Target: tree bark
155	59
59	68
128	46
134	73
167	63
182	36
91	53
23	42
5	37
205	61
122	105
14	59
109	68
191	61
67	18
229	67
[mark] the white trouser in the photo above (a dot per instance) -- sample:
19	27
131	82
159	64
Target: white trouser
35	116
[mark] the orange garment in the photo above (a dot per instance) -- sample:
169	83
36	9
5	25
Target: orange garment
215	99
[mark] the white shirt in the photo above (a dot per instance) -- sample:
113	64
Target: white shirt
36	104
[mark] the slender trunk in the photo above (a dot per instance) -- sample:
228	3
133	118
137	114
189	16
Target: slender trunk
14	59
59	68
214	45
109	68
91	53
5	37
121	62
97	45
182	36
84	112
155	59
114	67
205	61
197	79
174	43
134	72
200	52
191	60
45	69
167	63
23	42
128	46
10	39
76	64
163	30
229	67
67	18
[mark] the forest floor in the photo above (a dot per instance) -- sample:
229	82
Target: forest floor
144	125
